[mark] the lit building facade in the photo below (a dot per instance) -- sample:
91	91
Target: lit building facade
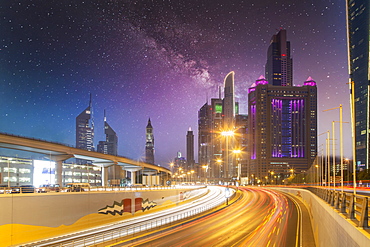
215	151
241	143
358	44
15	171
85	129
149	146
282	129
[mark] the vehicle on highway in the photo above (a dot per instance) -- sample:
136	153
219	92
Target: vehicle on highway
78	187
48	188
22	189
4	189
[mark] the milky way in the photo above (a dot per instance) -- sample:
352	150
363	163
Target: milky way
157	59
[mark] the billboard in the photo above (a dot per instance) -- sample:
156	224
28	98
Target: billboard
43	172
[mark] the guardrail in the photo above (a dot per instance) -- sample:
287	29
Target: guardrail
115	234
22	190
353	207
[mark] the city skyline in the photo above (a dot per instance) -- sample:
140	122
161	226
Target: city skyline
161	61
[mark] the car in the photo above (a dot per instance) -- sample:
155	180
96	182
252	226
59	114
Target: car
78	187
22	189
48	188
4	189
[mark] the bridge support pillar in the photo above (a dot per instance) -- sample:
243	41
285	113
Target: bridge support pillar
104	176
59	167
133	173
149	177
59	173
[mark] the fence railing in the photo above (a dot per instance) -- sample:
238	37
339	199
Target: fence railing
31	189
353	207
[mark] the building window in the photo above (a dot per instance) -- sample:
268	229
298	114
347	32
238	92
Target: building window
10	169
24	180
11	179
24	170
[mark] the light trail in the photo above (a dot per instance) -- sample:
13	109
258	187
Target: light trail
213	198
259	218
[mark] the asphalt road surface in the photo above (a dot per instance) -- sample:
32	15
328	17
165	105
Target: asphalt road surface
261	217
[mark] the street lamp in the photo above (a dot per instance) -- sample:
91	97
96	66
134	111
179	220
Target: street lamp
171	166
237	152
272	174
227	163
341	141
205	167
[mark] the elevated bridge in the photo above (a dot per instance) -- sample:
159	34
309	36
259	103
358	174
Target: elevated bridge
60	152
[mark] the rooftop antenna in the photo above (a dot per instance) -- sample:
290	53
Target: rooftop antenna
219	92
105	118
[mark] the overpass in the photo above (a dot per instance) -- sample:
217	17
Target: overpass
60	152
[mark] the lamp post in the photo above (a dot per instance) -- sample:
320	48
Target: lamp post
237	152
205	167
353	121
341	140
171	166
219	161
328	159
227	163
272	175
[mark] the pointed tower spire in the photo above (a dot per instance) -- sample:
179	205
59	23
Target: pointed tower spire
90	102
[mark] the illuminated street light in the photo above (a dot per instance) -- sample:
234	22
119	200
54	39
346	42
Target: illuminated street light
205	167
227	163
237	152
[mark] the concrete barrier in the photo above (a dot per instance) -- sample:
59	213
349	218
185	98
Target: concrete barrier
330	228
29	217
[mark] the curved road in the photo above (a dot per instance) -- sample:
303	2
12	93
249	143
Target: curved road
261	217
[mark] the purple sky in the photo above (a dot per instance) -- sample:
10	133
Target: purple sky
157	59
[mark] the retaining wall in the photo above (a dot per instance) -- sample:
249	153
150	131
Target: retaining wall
28	217
329	227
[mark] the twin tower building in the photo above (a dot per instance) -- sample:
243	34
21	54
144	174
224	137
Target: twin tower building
279	134
85	136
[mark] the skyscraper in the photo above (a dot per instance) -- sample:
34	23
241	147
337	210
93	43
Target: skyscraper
190	150
214	150
358	15
282	129
228	109
85	129
204	135
109	146
149	146
278	70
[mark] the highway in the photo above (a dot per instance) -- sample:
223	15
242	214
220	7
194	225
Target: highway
260	217
200	201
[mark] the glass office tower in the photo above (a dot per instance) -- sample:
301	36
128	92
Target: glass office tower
358	45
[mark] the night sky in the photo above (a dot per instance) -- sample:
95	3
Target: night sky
157	59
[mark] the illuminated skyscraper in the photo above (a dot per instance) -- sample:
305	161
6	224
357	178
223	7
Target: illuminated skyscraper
190	150
149	146
358	44
278	68
214	118
85	129
109	146
282	129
